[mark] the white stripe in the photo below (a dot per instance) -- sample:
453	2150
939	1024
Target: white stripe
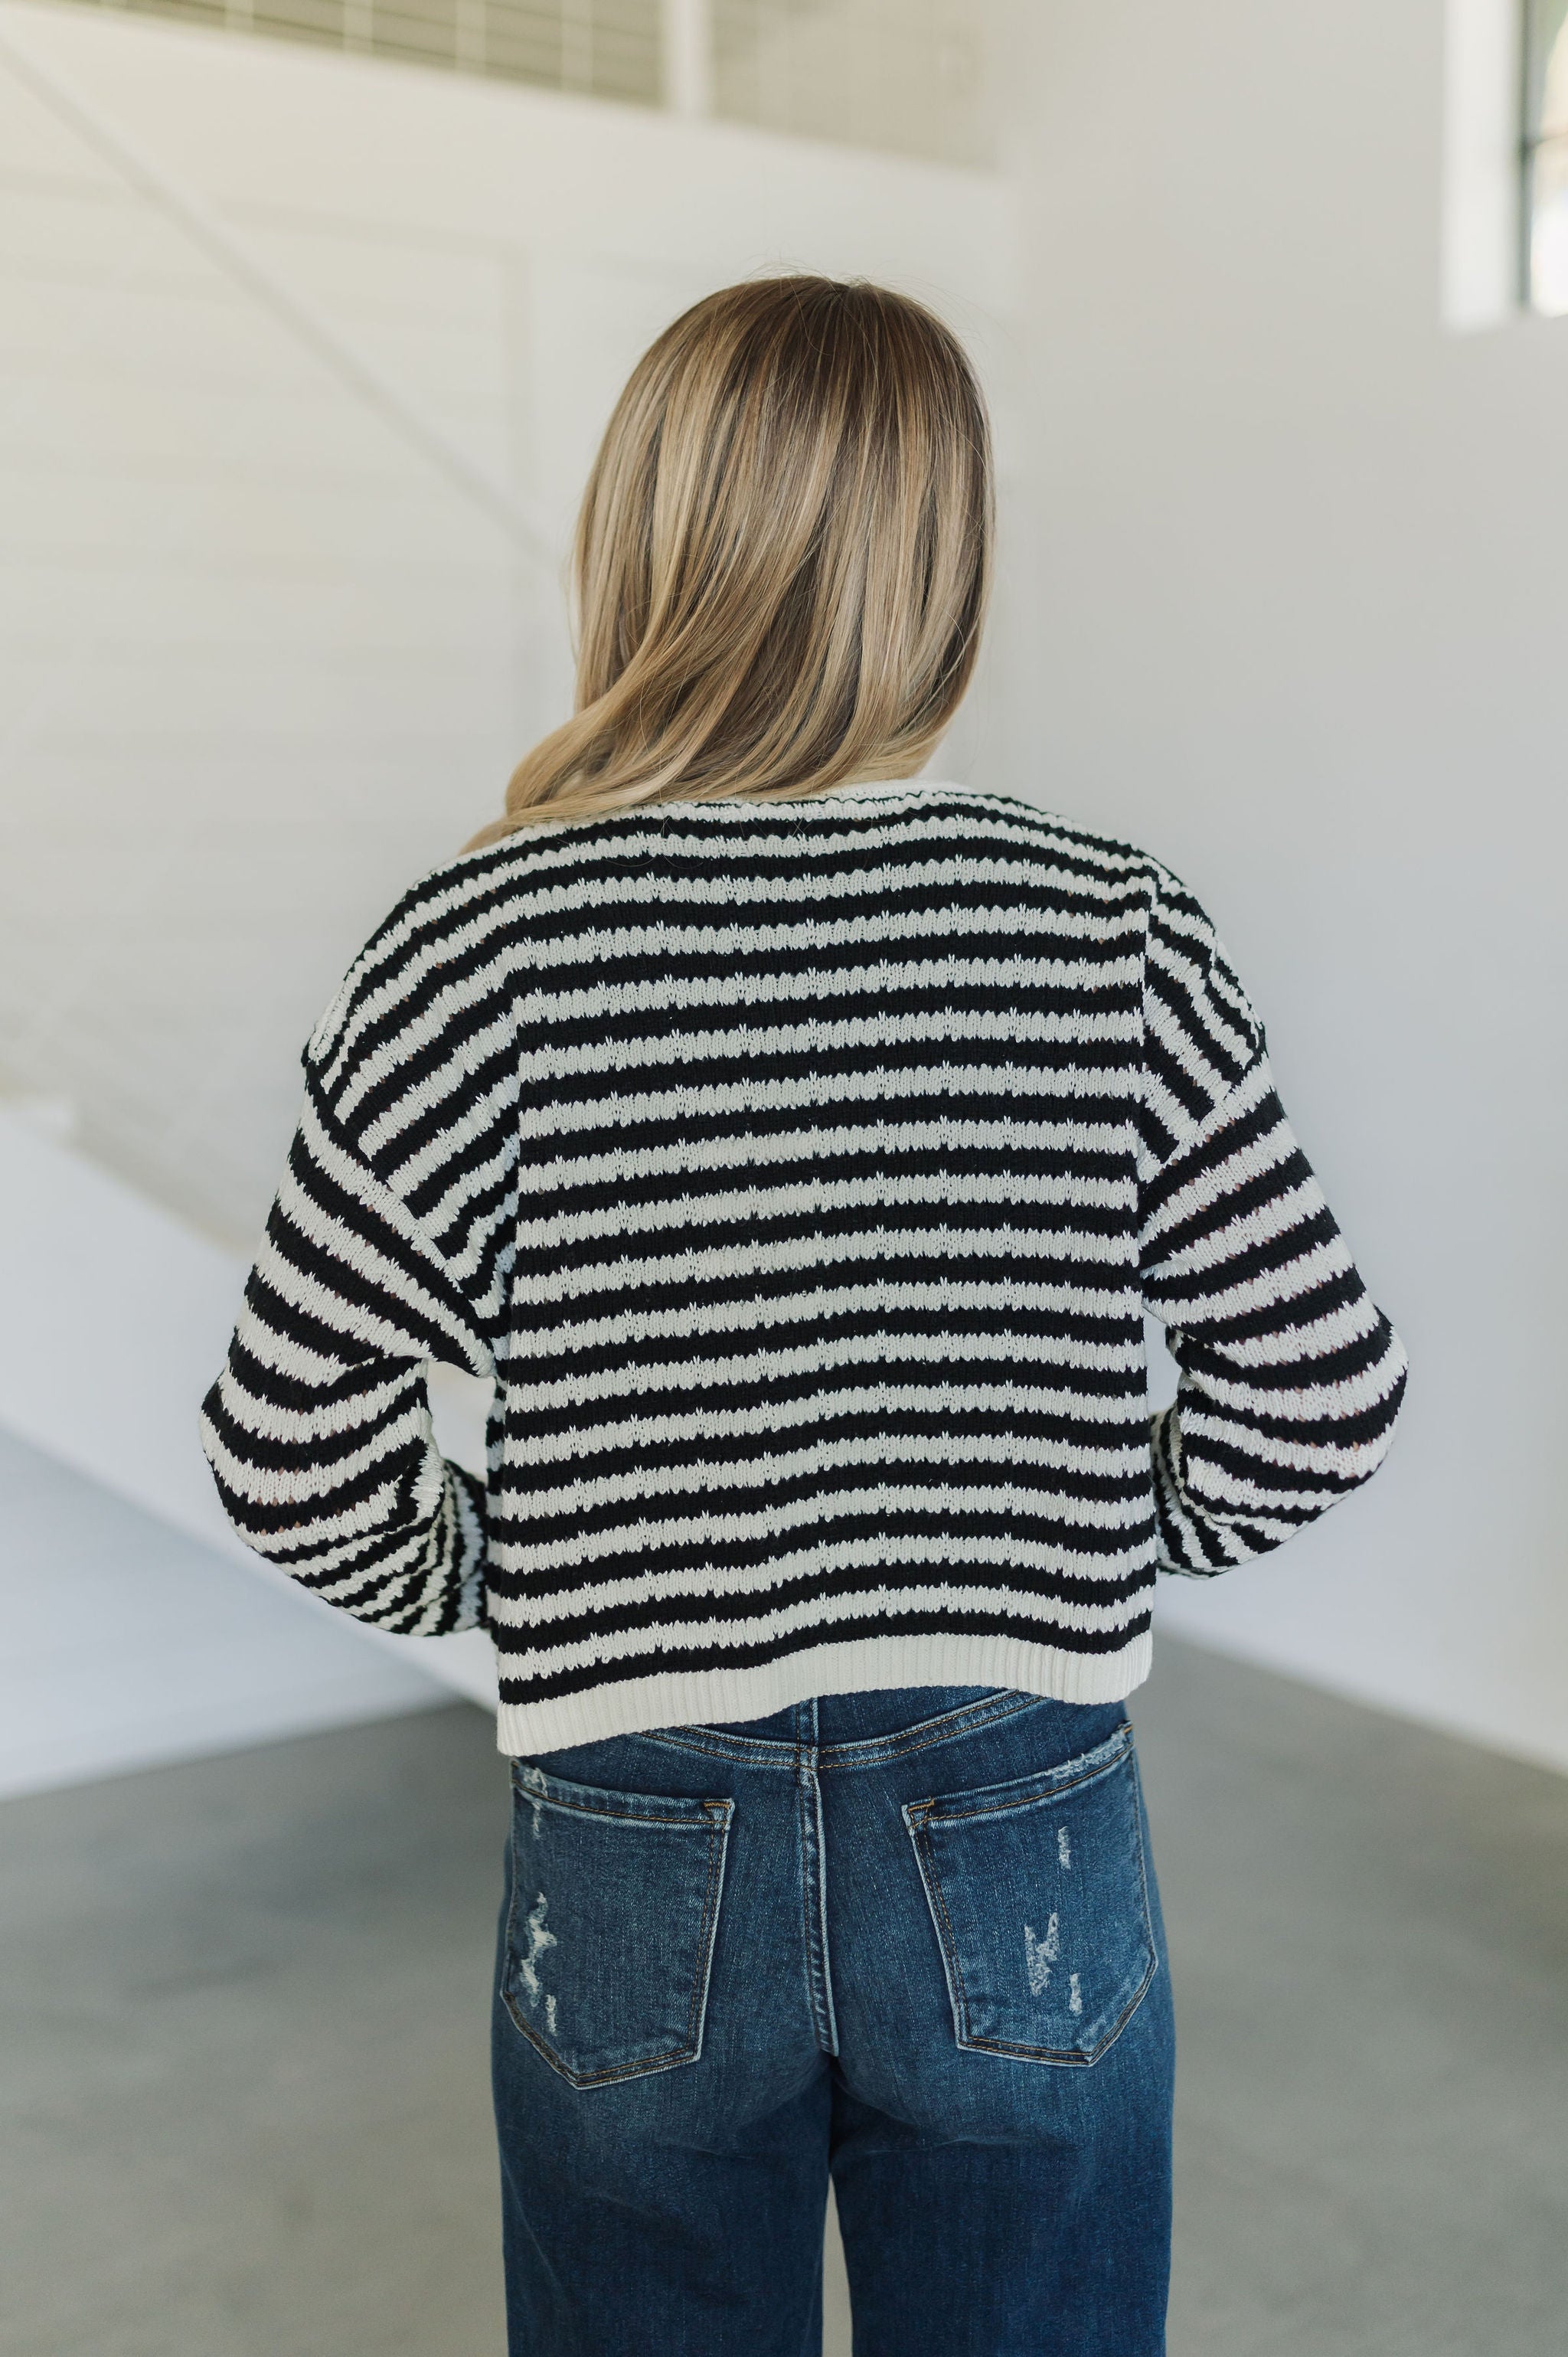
878	1298
1276	1290
747	1263
860	1035
268	1485
324	1420
543	1122
968	1453
1220	1486
892	1400
764	1370
879	1502
468	1120
886	1142
811	1198
828	1612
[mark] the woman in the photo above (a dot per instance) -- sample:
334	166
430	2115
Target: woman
798	1148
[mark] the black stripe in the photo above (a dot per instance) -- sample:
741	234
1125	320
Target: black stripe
869	1532
1057	1637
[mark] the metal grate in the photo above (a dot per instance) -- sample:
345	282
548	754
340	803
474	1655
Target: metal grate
1545	155
604	48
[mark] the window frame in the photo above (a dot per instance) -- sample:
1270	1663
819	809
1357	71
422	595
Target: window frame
1533	139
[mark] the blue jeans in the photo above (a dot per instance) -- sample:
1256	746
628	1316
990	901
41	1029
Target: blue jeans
911	1938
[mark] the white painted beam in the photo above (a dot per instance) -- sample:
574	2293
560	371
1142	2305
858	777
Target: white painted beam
1482	128
686	35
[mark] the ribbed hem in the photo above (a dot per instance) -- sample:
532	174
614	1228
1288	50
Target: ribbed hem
706	1697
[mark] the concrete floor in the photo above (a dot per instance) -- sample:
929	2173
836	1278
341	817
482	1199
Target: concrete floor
243	2002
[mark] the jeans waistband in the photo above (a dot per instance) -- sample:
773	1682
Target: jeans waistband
860	1730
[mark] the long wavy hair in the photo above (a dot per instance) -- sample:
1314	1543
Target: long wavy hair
782	560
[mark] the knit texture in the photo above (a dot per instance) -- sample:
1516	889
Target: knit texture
801	1173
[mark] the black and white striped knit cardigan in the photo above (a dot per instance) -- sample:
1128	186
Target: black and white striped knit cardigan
801	1172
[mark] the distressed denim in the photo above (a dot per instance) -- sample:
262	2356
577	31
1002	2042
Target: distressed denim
912	1939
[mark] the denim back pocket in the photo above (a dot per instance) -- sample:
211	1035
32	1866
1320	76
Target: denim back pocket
1041	1903
615	1907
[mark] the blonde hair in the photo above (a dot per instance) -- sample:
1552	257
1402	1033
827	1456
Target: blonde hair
782	559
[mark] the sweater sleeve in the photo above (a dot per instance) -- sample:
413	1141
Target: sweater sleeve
1290	1377
318	1428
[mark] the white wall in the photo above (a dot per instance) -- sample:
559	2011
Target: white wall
1299	557
124	1643
133	1625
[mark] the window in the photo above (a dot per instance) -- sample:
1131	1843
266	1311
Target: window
904	75
604	48
1544	203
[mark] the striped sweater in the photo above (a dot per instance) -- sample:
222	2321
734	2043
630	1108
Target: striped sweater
801	1173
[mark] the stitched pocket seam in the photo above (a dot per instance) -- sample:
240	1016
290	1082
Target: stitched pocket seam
919	1815
542	1797
935	1811
718	1816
